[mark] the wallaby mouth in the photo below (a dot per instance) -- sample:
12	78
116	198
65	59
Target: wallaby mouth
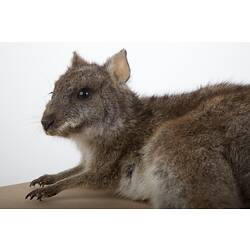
47	124
55	127
50	125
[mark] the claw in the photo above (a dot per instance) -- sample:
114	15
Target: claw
39	198
32	196
41	193
32	184
42	181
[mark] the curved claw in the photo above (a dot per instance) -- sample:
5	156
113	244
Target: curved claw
41	193
33	183
43	180
32	196
35	193
28	196
39	197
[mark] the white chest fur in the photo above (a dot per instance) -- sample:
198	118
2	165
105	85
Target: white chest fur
87	152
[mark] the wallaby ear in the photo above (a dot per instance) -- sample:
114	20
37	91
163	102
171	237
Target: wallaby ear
77	60
118	67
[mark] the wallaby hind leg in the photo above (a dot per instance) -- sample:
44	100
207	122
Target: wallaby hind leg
209	185
185	172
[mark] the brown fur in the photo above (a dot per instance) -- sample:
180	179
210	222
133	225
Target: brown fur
178	151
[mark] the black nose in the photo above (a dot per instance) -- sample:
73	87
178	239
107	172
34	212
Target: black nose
47	122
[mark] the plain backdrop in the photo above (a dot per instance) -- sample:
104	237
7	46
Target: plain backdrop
112	20
29	70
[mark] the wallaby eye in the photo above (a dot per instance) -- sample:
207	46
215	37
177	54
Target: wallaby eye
84	93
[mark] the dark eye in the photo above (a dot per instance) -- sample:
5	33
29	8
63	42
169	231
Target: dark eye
84	93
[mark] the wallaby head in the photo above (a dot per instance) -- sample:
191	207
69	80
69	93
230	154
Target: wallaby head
88	95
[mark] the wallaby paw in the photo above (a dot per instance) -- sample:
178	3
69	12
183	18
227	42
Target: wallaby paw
41	193
43	180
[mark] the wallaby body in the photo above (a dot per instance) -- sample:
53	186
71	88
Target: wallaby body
177	151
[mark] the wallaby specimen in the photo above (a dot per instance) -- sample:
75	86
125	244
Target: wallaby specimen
190	150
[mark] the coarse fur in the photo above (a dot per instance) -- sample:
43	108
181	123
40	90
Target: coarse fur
189	150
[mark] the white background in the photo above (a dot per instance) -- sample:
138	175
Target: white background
28	72
134	21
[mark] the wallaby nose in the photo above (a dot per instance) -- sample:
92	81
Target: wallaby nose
47	121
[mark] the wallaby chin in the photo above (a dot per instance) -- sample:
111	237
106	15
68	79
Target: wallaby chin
174	151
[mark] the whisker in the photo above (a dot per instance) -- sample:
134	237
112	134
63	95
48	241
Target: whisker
36	122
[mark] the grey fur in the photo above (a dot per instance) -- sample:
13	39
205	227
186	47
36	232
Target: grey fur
177	151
